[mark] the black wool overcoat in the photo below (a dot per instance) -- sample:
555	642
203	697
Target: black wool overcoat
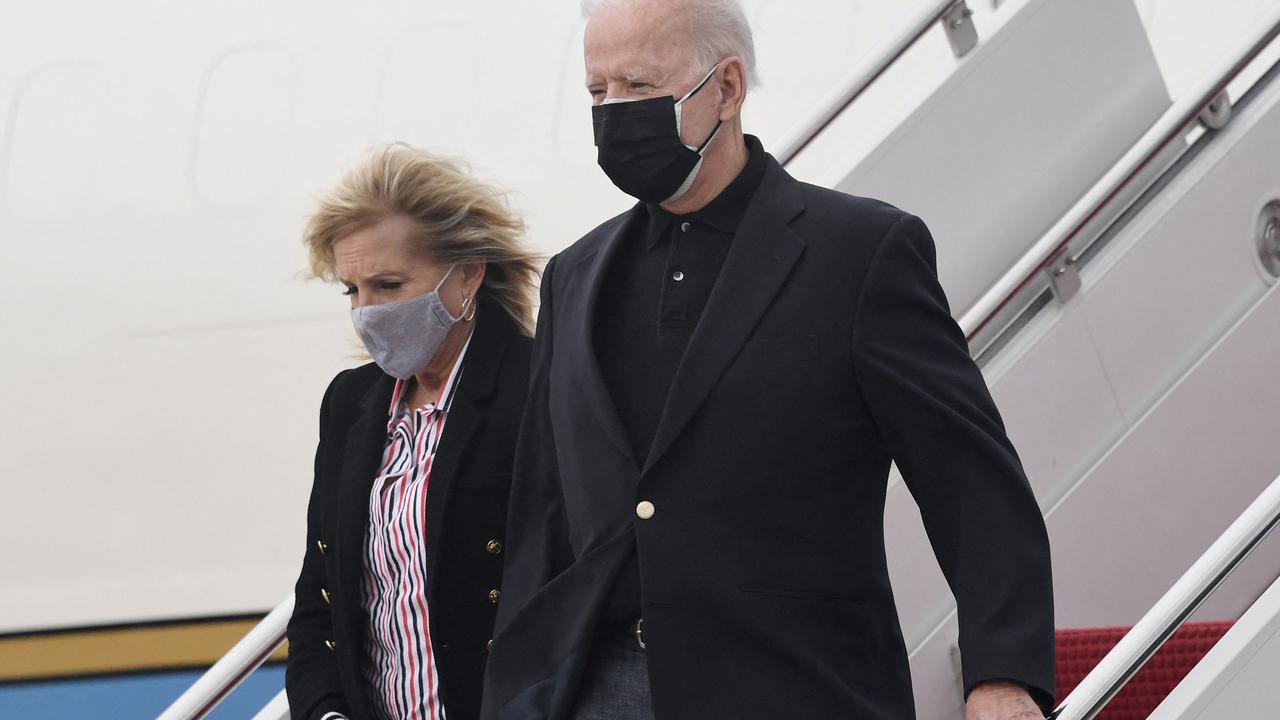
466	511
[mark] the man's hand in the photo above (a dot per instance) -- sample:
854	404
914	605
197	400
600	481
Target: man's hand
1001	700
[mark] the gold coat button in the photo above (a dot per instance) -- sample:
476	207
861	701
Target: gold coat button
494	595
494	547
488	647
645	510
331	645
320	544
324	594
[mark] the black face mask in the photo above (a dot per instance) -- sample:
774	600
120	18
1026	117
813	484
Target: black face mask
640	148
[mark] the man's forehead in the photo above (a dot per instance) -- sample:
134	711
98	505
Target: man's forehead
647	62
635	72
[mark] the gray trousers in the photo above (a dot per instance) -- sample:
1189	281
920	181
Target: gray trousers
616	684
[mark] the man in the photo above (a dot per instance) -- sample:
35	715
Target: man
722	376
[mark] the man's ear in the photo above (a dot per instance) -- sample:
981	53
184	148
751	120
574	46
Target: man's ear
733	88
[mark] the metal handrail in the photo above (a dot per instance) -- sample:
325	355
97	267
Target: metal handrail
1175	122
859	78
1171	611
239	663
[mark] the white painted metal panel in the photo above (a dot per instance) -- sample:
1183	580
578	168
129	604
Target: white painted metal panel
435	114
1151	506
1057	403
239	156
1167	290
1237	678
57	124
1190	273
990	159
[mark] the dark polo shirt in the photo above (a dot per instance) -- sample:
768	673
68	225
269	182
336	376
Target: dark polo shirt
655	289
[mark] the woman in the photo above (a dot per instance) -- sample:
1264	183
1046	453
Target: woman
395	602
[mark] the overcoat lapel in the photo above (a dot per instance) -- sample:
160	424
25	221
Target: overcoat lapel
493	333
463	421
759	261
588	364
361	460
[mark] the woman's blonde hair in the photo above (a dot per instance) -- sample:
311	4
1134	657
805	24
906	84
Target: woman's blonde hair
461	219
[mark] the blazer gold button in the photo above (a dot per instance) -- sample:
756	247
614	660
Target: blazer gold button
494	547
324	594
488	647
494	595
331	645
645	510
320	544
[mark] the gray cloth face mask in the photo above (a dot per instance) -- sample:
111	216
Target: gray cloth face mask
403	336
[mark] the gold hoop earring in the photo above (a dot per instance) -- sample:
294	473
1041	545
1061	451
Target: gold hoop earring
468	309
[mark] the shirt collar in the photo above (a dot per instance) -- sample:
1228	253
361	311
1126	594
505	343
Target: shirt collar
725	210
446	395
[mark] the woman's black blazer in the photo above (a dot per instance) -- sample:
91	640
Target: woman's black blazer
466	518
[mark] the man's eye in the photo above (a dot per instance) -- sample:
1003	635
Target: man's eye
389	285
351	290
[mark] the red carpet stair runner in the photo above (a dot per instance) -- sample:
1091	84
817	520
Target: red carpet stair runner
1080	650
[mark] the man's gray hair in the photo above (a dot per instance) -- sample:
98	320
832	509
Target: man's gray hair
719	29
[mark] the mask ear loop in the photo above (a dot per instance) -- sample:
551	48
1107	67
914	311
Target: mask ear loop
703	147
446	277
468	303
701	83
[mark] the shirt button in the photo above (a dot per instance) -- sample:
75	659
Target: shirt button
645	510
684	227
677	276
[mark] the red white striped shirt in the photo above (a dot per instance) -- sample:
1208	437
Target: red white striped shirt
400	665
